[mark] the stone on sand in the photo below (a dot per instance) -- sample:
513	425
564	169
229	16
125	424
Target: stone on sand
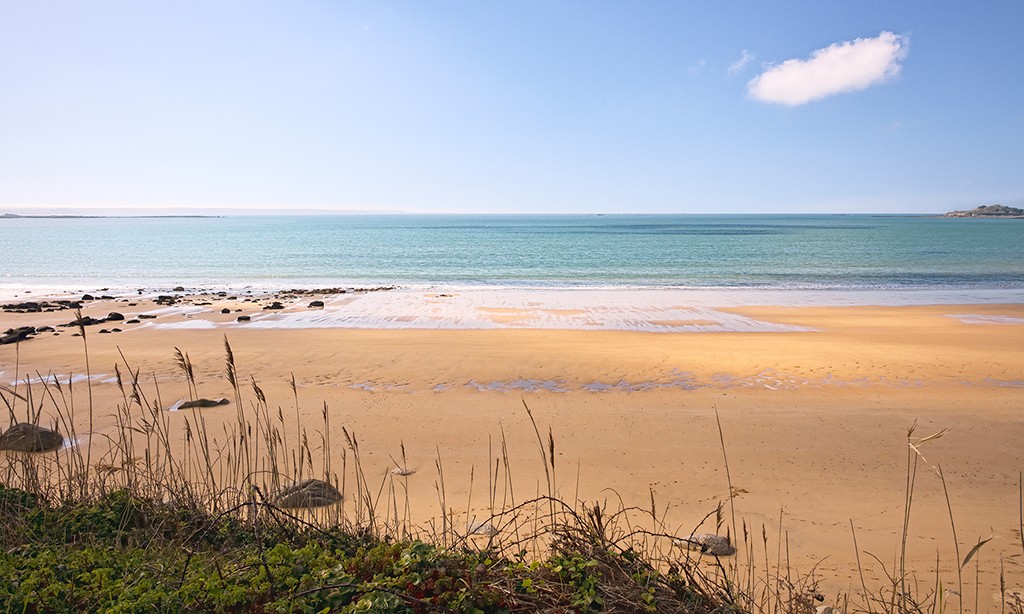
25	437
307	493
709	543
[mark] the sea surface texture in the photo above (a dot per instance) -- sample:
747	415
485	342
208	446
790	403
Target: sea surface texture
803	252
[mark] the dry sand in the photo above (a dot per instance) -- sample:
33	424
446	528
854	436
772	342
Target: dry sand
815	423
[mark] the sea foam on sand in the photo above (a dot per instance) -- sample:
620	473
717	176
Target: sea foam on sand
644	310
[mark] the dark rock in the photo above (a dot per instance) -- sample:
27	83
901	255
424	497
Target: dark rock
225	310
178	289
84	321
132	321
44	329
87	297
202	403
146	316
113	316
14	335
115	330
274	305
316	303
307	493
104	331
244	318
107	297
25	437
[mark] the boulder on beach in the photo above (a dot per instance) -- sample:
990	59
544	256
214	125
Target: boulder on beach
709	543
14	335
244	318
25	437
316	303
275	305
200	403
113	316
307	493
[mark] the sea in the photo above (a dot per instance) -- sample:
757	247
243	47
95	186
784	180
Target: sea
847	253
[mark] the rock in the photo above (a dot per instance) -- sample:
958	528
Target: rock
316	303
225	310
275	305
44	329
14	335
989	211
132	321
201	403
104	331
307	493
85	321
708	543
244	318
113	316
25	437
481	528
87	297
178	289
145	316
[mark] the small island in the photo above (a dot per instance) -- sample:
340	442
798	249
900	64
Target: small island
989	211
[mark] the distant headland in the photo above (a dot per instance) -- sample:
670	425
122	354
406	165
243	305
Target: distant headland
989	211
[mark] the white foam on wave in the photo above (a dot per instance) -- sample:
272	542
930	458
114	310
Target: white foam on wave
55	378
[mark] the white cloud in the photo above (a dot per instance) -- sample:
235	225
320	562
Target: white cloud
841	67
738	65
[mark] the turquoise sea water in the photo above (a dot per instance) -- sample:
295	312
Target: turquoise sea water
769	252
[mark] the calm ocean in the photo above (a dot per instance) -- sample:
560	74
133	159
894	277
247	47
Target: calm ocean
760	252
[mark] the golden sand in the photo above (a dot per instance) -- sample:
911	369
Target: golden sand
815	423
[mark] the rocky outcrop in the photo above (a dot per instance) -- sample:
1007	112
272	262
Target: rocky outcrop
14	335
307	493
25	437
989	211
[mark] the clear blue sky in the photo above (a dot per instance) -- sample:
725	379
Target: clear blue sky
546	106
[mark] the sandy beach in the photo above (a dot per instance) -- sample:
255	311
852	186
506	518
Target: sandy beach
814	403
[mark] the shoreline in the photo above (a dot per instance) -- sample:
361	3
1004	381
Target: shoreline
431	307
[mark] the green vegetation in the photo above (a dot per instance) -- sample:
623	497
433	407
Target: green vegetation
121	553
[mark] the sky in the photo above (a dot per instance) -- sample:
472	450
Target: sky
513	107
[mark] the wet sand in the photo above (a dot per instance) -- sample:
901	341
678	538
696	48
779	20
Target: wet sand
814	403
